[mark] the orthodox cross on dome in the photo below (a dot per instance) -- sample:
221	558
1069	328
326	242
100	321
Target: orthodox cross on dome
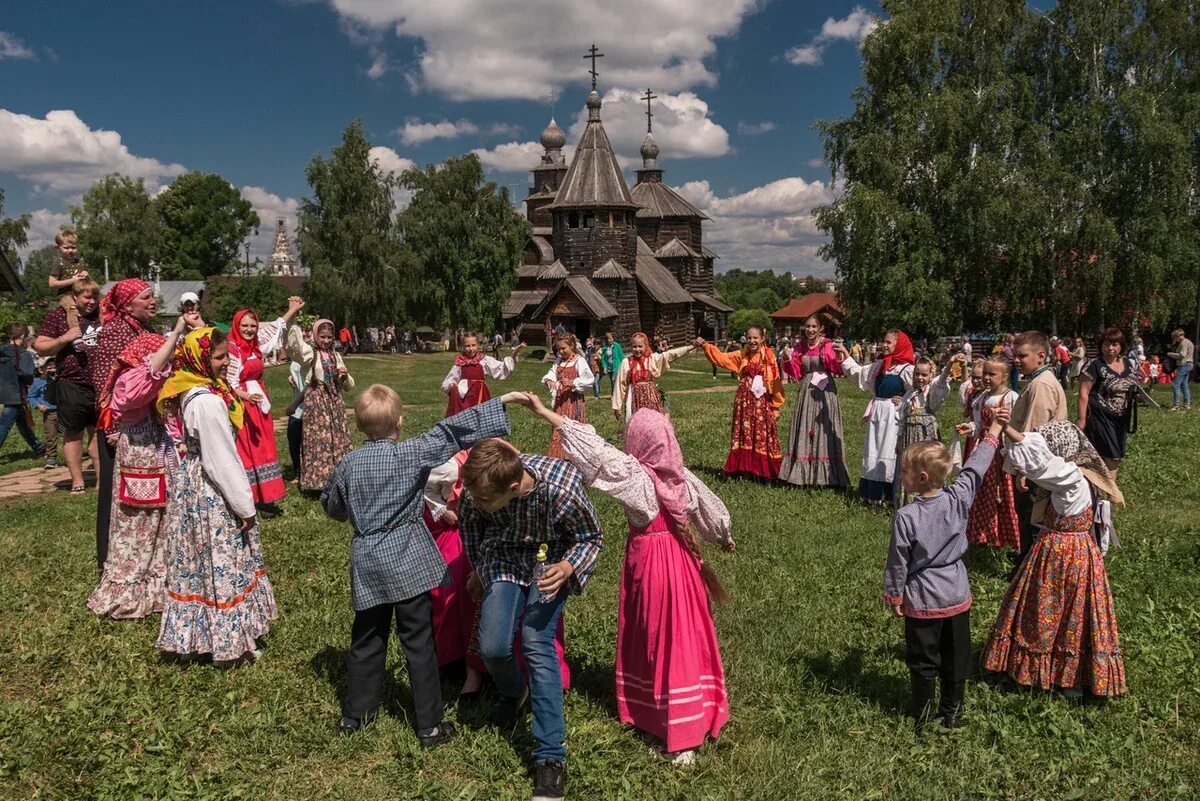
593	54
649	114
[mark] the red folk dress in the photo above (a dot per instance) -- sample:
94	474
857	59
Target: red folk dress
754	449
256	441
568	404
993	516
477	389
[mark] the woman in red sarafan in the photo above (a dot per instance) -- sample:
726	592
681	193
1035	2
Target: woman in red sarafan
248	339
754	449
567	381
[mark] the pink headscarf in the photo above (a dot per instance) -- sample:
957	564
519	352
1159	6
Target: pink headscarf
650	439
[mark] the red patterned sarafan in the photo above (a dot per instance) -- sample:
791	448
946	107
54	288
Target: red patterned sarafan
754	448
1057	627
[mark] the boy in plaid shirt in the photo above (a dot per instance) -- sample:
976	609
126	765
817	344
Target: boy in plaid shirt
394	562
515	502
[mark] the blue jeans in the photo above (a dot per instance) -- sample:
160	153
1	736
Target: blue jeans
1179	386
16	414
596	384
504	604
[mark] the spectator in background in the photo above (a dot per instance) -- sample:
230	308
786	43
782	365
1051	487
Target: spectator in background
16	374
72	393
67	272
966	352
1078	359
1061	360
39	403
1183	352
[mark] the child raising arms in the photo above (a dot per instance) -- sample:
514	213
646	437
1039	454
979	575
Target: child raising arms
993	519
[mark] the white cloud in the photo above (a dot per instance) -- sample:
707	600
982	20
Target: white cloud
43	225
389	160
379	65
769	226
755	128
682	127
854	27
62	155
270	208
815	162
12	47
516	156
416	132
533	47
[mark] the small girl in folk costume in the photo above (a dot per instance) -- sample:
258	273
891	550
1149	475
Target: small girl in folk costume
219	599
918	411
248	340
754	449
993	518
567	381
132	585
816	445
670	681
1057	627
889	378
326	434
968	391
636	384
465	384
455	612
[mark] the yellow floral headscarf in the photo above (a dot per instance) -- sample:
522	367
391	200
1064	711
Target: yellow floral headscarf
192	368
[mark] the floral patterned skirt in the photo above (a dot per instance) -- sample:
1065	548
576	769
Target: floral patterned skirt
646	395
326	436
219	599
132	583
1057	627
572	407
754	449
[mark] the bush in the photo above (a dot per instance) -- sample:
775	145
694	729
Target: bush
742	319
225	295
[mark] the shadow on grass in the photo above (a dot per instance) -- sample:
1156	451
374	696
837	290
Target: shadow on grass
848	674
330	664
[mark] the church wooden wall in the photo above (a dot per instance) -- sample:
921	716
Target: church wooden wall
583	250
658	232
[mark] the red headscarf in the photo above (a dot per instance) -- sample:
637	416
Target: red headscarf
901	354
650	439
117	299
240	346
133	355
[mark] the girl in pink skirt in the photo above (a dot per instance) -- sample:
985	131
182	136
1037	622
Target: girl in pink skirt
670	682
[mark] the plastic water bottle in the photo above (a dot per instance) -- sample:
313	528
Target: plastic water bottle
539	570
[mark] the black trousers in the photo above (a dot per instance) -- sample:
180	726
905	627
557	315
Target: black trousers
938	646
104	495
366	662
1027	530
295	438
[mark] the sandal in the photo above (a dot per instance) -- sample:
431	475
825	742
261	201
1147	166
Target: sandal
80	490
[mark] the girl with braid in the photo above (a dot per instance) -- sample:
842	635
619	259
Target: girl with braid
670	682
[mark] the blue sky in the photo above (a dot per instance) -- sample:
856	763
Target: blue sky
253	89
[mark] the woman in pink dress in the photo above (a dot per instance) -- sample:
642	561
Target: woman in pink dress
670	681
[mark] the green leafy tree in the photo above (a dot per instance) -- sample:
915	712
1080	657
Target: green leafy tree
36	272
465	239
116	221
13	232
358	273
224	295
763	289
204	221
742	319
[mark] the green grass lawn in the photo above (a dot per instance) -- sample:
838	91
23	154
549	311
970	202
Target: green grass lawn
817	683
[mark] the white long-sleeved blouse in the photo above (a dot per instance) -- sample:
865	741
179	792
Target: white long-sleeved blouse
1070	492
656	365
499	369
206	418
622	477
270	339
864	375
584	378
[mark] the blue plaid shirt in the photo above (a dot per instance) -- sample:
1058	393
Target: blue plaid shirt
378	488
502	545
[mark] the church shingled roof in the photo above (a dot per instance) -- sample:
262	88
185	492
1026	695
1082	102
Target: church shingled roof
611	269
659	200
676	249
556	271
594	179
656	279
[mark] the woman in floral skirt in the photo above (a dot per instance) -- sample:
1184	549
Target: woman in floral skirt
326	436
219	599
568	382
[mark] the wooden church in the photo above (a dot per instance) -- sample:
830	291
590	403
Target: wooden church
603	257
